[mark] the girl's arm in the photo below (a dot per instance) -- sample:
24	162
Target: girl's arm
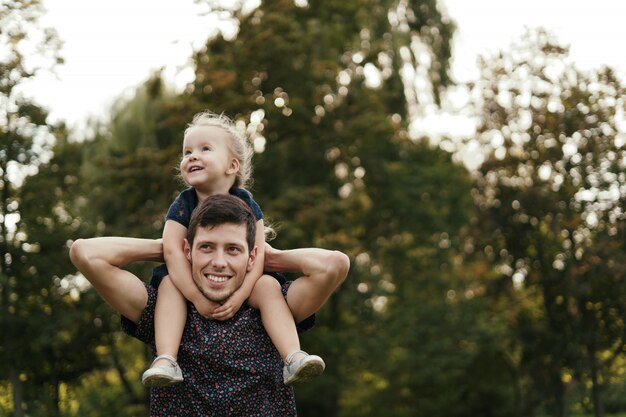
179	268
235	301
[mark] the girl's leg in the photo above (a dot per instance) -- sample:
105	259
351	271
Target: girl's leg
279	324
267	297
169	321
322	273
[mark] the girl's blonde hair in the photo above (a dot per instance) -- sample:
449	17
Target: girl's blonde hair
238	144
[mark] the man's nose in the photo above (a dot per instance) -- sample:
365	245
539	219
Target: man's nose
219	260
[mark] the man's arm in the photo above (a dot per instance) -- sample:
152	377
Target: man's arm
101	260
322	272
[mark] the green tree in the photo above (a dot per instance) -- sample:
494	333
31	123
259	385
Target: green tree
550	195
25	139
324	92
75	193
58	323
129	169
127	177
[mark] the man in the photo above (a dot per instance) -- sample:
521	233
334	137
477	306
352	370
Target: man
230	367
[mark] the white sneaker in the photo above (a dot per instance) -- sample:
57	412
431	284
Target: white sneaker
307	367
162	375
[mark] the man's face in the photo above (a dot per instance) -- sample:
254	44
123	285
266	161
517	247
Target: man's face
219	260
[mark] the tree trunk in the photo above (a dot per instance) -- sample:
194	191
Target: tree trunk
122	373
18	392
14	377
333	396
596	387
56	411
560	400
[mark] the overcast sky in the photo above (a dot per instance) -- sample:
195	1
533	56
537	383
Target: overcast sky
110	46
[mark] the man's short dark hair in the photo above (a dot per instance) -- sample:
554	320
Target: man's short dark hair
221	209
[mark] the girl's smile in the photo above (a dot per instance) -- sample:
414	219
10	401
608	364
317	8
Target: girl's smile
208	165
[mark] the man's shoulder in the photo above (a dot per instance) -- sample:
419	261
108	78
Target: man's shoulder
144	328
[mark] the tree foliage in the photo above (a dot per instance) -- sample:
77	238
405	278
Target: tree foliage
324	92
334	166
25	138
494	295
61	325
550	196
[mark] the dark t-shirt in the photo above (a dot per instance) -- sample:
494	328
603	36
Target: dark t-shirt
231	368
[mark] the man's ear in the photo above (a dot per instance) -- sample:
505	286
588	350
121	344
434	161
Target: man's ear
251	258
233	168
187	250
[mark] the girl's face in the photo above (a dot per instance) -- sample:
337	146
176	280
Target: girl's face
207	163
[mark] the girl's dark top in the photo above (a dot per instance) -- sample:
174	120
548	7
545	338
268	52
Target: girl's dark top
181	209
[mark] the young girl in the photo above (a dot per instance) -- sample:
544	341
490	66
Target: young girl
217	159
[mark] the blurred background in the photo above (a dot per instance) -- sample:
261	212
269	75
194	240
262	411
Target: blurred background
476	177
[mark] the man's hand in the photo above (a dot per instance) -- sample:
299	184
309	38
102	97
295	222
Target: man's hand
230	307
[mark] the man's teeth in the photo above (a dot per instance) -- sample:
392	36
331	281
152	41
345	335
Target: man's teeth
215	278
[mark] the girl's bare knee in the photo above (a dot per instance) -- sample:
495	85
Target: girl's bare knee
266	285
338	266
264	290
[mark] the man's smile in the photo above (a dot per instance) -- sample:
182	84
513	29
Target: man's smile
217	278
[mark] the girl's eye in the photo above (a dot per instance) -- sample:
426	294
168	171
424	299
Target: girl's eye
186	153
206	148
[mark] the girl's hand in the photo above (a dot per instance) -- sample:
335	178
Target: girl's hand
229	308
205	307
